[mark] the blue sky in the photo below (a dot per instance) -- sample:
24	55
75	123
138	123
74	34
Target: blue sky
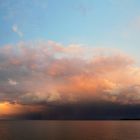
111	23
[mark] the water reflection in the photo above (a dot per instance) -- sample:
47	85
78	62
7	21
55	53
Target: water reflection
69	130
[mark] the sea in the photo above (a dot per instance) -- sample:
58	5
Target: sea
69	130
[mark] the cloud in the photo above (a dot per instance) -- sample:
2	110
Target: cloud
50	73
16	29
12	82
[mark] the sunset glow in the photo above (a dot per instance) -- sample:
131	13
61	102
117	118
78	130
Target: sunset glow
9	109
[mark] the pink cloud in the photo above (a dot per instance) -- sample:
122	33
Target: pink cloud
51	72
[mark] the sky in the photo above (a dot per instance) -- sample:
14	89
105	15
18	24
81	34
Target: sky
76	59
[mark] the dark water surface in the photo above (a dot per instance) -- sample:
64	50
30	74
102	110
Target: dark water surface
69	130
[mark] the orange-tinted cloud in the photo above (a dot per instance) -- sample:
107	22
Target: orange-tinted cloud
50	72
